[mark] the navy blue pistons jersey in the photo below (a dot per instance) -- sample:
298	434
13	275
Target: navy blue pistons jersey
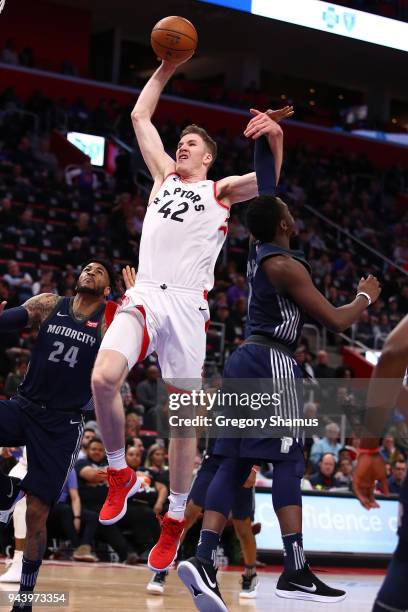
271	313
59	372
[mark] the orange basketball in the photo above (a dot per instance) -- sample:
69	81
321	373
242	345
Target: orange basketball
174	39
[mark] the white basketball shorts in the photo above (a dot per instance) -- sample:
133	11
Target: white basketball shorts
174	321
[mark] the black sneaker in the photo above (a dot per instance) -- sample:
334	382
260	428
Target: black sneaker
157	583
10	493
249	587
200	577
303	584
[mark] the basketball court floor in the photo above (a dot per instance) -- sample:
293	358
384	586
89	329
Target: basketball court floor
105	588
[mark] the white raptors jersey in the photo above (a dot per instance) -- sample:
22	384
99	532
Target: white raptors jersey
183	232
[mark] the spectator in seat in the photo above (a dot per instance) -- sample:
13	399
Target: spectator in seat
88	435
398	472
9	54
237	290
381	330
76	524
328	444
324	479
323	370
21	282
45	158
222	315
363	330
132	425
15	378
343	474
387	449
147	390
156	460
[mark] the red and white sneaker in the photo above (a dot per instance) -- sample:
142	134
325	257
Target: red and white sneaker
122	484
164	552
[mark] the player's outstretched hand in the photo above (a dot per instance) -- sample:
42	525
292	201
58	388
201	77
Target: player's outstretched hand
2	306
260	124
369	469
281	113
129	277
371	286
167	64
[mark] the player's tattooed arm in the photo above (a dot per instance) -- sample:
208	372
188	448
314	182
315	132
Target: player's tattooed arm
40	307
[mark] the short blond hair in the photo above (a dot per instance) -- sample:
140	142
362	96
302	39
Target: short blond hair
210	142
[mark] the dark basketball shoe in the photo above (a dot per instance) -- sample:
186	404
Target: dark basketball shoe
10	493
303	584
200	577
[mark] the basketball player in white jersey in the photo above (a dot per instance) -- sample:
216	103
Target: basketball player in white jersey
167	311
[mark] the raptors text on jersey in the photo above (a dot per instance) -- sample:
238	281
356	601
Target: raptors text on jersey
183	232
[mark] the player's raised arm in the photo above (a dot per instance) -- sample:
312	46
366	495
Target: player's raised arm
290	275
234	189
32	313
150	143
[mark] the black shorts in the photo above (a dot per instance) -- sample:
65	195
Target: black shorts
52	439
244	504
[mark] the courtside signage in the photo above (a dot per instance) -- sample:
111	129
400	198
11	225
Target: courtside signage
333	524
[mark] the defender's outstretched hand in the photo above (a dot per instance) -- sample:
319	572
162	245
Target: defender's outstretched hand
281	113
129	277
260	125
369	469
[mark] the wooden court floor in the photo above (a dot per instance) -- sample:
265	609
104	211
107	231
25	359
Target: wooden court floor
106	588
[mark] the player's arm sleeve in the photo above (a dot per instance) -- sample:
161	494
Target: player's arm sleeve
264	164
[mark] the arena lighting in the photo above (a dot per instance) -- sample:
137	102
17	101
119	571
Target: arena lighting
91	145
328	17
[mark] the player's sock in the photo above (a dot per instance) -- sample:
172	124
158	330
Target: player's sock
177	505
250	570
207	545
116	459
29	575
393	594
293	555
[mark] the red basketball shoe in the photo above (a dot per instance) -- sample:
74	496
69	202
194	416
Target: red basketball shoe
164	552
122	484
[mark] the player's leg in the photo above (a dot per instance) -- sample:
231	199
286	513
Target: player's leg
393	594
250	581
181	351
11	434
120	349
242	516
199	573
297	581
35	543
157	583
13	573
194	509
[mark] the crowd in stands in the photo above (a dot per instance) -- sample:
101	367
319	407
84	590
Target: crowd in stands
50	224
330	106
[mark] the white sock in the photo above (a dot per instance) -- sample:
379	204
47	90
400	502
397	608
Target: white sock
177	505
116	459
18	555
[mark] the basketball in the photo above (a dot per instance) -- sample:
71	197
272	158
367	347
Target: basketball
174	39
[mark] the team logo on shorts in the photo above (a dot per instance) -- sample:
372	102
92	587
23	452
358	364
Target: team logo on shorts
91	324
